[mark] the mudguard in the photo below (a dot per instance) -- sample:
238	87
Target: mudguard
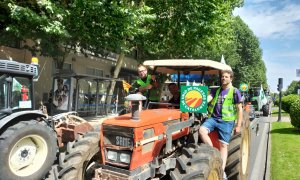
30	114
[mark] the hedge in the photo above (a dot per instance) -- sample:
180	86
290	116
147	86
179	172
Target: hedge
295	113
287	101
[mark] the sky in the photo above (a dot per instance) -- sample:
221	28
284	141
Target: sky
276	23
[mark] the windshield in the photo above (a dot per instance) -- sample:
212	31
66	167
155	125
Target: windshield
21	93
3	92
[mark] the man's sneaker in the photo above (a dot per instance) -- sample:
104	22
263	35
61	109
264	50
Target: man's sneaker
224	176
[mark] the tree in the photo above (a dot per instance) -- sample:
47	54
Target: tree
92	27
31	20
292	88
250	67
187	29
39	24
107	26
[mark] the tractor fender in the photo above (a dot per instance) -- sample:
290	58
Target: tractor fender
23	115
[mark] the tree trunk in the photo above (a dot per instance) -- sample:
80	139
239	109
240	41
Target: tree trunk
115	75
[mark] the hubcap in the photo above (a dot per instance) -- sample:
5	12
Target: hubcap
28	155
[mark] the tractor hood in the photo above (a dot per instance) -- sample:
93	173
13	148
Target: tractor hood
147	117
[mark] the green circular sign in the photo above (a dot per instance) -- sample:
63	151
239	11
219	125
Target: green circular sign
244	87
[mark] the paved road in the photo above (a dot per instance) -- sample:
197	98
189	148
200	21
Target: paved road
260	147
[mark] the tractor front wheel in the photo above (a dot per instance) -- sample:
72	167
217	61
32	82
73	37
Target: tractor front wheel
79	156
198	162
27	150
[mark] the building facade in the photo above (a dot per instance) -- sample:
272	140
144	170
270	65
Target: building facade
76	62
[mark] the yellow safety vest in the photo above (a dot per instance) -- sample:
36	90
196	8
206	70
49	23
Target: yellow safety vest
228	112
153	93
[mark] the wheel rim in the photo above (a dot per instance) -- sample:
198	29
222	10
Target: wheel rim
245	152
28	155
213	175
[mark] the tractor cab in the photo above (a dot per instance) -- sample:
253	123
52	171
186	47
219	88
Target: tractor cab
85	94
16	82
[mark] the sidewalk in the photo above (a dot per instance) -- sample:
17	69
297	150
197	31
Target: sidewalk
283	119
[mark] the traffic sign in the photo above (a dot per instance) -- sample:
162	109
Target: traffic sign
297	72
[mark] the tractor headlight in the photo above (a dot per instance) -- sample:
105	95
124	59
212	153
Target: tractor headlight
125	158
112	155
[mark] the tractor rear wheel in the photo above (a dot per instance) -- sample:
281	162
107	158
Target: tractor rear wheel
198	162
27	150
237	166
79	155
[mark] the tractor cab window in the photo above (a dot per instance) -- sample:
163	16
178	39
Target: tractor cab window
21	93
3	92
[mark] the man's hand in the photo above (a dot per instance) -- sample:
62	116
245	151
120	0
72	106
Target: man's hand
237	129
145	88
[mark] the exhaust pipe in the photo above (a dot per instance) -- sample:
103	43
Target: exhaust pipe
136	101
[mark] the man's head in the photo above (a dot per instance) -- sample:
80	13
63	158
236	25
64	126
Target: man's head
142	71
226	77
173	88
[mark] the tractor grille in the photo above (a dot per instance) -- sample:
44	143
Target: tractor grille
118	143
17	68
118	136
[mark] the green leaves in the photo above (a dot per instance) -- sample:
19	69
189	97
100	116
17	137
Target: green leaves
249	66
157	28
292	88
187	29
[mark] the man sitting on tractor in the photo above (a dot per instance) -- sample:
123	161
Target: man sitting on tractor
146	84
173	88
224	109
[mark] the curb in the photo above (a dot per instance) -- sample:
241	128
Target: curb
261	154
268	163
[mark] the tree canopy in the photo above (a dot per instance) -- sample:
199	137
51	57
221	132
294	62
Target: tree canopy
292	88
249	67
188	29
157	28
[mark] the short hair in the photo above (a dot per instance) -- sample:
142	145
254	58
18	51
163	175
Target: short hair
171	84
230	72
141	65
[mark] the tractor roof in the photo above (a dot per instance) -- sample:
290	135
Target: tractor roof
191	66
13	67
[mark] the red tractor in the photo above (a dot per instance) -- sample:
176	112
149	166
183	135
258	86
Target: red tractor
156	143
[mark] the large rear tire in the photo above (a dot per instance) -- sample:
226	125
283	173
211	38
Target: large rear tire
27	150
237	166
198	162
79	155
